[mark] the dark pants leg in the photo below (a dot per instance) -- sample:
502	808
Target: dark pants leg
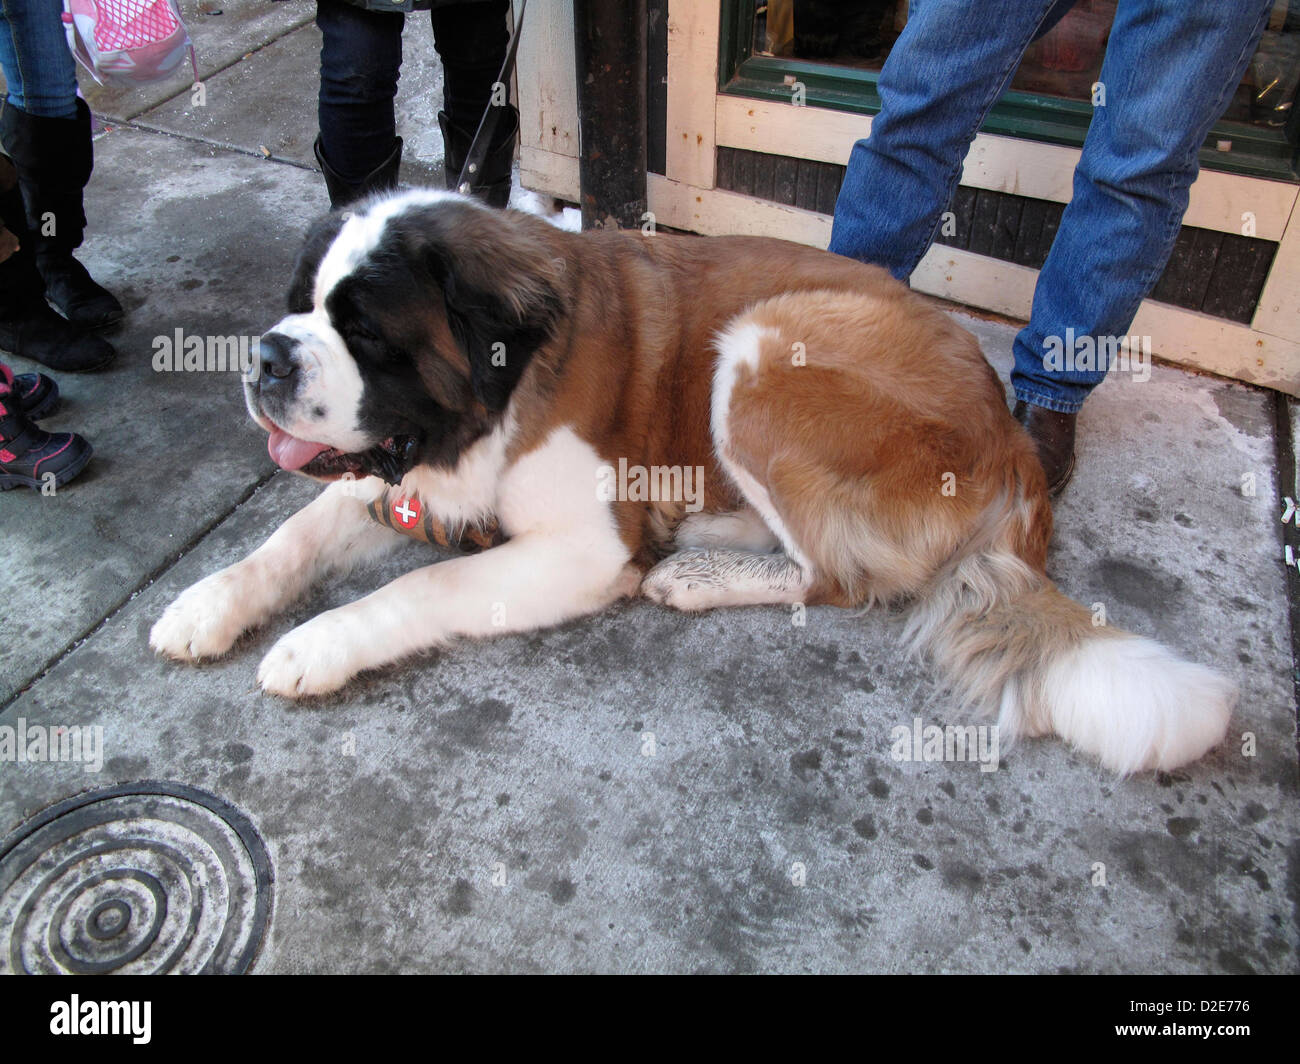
360	60
471	41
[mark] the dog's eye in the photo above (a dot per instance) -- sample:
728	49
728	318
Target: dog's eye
364	339
365	343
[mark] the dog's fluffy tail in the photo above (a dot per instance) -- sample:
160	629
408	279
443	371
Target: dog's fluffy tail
1007	641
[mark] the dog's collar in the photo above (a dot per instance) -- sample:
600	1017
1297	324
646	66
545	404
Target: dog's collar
407	515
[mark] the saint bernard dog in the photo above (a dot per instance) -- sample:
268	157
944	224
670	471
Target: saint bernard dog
855	446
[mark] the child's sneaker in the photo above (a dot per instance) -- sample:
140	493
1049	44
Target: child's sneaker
37	394
28	455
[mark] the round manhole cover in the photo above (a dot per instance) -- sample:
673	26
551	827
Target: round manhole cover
143	877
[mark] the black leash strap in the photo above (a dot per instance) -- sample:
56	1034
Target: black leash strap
482	141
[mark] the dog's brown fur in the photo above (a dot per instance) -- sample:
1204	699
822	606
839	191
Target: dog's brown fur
890	397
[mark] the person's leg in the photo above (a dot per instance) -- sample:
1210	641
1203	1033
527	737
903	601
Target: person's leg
46	130
952	61
38	66
471	41
1170	70
55	158
360	61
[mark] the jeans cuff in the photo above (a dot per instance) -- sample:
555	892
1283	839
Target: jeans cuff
1061	406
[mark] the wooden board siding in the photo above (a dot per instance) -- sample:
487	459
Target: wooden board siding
1216	273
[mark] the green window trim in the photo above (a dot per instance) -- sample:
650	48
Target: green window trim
1256	152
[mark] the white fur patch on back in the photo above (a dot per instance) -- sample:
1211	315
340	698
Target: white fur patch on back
738	345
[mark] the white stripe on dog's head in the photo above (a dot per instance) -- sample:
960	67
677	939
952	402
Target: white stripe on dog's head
363	231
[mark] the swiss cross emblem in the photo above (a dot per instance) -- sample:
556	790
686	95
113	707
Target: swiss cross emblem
406	512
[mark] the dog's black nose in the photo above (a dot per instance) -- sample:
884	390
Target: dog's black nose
277	356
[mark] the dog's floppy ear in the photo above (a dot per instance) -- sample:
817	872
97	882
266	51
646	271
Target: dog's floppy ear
500	279
302	287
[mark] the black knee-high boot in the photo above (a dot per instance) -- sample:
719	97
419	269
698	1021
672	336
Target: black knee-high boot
28	327
55	157
490	182
342	191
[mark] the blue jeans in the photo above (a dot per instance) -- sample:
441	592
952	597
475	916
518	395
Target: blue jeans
38	64
1170	69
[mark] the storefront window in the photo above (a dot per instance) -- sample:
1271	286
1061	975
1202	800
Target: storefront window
855	36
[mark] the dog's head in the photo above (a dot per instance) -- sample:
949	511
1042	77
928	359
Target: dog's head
411	319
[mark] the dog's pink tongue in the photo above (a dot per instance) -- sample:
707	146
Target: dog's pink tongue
289	452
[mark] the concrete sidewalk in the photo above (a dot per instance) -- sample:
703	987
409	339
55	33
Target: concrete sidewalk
642	791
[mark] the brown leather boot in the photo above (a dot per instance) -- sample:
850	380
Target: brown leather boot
1053	436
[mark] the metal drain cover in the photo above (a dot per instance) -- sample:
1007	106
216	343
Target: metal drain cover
140	878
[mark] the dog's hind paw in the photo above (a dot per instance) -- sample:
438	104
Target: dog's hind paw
682	581
702	579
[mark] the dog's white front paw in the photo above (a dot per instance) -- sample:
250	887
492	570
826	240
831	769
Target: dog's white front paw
310	660
205	620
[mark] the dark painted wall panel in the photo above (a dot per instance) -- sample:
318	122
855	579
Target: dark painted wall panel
725	162
828	186
983	226
784	180
963	211
805	194
656	77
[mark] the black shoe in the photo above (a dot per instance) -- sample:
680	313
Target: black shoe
38	395
74	293
28	327
382	178
491	183
1053	436
33	458
36	332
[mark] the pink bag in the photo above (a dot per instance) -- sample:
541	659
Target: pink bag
131	41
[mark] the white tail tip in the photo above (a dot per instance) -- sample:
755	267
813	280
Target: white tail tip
1134	705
